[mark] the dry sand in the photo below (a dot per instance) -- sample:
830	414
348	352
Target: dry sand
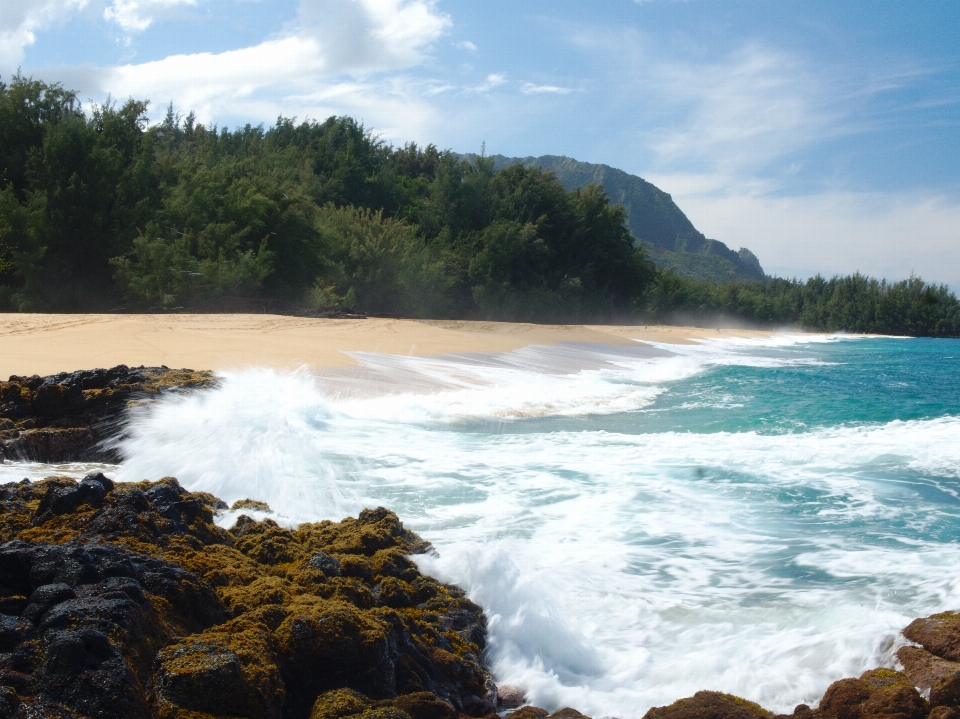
47	344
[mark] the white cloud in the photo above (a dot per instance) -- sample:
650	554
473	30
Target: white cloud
493	80
300	73
467	45
20	20
733	137
138	15
358	36
741	113
531	89
881	234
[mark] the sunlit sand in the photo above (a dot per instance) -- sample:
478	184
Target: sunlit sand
46	344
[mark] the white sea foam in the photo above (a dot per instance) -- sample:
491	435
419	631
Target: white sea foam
619	570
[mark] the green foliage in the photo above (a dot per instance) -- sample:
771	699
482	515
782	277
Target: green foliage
653	217
98	209
379	265
853	304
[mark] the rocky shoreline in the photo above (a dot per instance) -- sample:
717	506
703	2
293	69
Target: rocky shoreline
67	417
127	600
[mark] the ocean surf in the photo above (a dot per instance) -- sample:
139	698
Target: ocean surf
759	517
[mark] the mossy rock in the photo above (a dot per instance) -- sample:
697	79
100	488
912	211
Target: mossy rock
877	693
939	634
710	705
251	504
349	704
66	417
190	621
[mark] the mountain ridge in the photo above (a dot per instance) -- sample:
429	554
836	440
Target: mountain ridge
653	218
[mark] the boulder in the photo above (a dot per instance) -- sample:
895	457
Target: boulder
877	693
938	634
929	672
344	703
530	712
510	697
567	713
710	705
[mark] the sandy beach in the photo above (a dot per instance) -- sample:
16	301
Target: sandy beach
46	344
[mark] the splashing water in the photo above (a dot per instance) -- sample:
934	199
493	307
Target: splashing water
756	517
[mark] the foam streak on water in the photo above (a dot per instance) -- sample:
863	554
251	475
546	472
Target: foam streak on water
754	517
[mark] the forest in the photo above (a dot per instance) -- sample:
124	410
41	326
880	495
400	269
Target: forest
102	210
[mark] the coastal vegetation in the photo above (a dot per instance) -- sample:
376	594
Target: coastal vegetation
101	210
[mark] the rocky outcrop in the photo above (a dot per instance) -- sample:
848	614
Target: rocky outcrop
66	417
127	601
876	694
934	666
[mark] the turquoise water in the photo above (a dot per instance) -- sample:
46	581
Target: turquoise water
758	517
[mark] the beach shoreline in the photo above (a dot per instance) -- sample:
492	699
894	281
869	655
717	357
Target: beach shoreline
46	344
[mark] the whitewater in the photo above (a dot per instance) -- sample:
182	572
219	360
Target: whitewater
759	517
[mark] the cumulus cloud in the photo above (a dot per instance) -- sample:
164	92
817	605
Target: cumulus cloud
138	15
20	20
358	36
343	57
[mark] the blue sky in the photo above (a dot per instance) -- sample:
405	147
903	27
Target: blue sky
824	136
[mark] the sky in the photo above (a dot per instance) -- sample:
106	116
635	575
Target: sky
822	135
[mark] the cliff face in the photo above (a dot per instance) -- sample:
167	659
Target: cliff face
127	601
654	219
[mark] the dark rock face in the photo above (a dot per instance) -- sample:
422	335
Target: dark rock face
65	417
128	602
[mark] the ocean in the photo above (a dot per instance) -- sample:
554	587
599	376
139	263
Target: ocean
759	517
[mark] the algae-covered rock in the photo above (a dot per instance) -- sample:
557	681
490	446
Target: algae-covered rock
942	712
253	504
710	705
66	417
568	713
938	634
346	703
929	672
128	601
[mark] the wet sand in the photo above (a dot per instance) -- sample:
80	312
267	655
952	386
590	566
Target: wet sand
47	344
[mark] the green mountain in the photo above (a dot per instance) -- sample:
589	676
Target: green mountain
654	219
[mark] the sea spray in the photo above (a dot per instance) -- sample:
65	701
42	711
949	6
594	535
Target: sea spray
254	436
755	517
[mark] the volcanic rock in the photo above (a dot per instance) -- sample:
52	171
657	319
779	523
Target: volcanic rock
67	416
710	705
128	601
510	697
938	634
877	693
530	712
253	504
929	672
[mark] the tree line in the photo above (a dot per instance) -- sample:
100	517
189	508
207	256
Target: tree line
100	210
